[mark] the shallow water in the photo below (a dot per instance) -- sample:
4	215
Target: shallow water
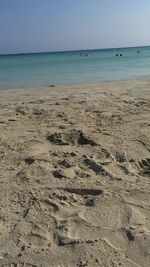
27	70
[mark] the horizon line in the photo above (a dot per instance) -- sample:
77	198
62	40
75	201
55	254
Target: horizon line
65	51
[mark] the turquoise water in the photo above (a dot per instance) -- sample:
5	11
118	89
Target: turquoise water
42	69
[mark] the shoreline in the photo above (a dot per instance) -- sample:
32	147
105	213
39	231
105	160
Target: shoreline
76	85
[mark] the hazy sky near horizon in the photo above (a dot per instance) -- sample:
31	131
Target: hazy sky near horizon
52	25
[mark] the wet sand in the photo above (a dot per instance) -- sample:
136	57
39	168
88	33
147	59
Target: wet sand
75	176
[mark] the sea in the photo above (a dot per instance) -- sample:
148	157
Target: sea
73	67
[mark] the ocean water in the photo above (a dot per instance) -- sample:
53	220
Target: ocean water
27	70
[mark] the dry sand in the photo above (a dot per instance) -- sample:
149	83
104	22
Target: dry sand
75	176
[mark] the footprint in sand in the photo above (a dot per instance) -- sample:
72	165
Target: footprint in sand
34	235
64	214
49	206
74	137
117	170
141	167
58	208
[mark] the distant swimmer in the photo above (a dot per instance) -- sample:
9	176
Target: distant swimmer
86	55
138	51
116	55
120	55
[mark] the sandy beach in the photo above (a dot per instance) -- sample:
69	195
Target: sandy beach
75	176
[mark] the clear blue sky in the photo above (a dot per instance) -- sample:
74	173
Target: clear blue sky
51	25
